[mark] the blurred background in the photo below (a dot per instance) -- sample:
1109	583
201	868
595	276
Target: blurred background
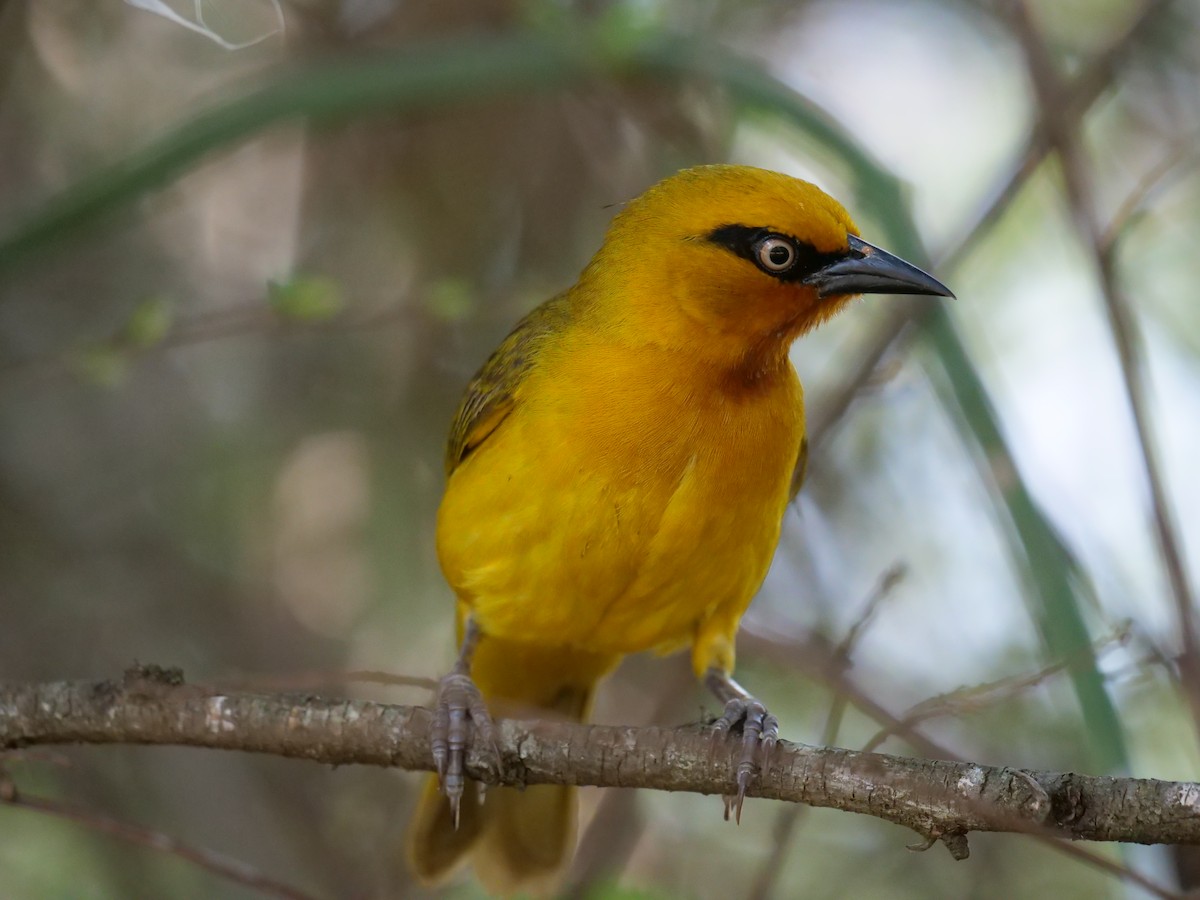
230	352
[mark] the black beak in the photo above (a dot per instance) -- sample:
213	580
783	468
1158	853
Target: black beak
866	269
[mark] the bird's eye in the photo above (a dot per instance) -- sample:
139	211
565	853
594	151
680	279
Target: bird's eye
776	254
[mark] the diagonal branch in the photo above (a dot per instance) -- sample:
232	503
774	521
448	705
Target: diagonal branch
218	864
1062	126
938	799
1077	98
817	660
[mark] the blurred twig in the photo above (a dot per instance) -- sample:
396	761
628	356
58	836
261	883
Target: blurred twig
217	325
617	826
217	863
816	659
788	817
842	653
781	839
1063	130
888	582
1115	868
1078	96
977	697
1184	155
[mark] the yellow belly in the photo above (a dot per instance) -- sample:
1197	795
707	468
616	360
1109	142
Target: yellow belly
589	521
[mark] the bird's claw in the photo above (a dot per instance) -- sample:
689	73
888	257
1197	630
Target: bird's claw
760	733
457	700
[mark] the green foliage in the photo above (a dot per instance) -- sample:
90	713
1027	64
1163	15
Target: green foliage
101	364
149	323
106	363
306	298
451	299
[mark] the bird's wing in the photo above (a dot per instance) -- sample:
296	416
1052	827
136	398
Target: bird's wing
492	393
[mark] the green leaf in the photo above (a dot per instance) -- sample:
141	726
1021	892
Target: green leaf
306	298
102	364
149	323
451	299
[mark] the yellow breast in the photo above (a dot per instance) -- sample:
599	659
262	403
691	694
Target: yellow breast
596	519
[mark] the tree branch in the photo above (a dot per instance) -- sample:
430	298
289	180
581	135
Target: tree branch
1063	135
938	799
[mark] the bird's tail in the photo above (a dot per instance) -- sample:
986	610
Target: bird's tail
516	840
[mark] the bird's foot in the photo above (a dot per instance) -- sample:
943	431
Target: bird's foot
457	700
760	733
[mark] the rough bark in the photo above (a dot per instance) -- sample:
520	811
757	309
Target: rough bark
939	799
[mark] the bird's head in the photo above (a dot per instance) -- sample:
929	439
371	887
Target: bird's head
741	259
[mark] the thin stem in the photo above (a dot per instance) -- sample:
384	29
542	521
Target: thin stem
1063	132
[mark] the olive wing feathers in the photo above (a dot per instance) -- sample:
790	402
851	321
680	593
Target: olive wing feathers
492	393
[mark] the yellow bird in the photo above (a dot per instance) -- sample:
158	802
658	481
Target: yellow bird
617	478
